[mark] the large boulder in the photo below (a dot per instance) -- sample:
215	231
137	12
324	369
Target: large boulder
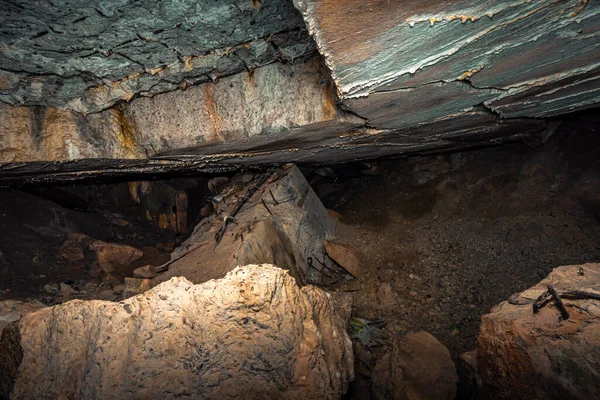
418	368
282	223
254	334
522	355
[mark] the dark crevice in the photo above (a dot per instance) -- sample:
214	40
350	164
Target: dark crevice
40	34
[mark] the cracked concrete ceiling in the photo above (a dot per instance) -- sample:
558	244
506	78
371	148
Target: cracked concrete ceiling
186	85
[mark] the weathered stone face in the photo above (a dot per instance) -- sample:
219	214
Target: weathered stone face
87	55
204	85
522	354
440	58
253	334
271	99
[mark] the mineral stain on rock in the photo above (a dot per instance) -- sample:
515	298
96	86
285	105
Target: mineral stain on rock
125	132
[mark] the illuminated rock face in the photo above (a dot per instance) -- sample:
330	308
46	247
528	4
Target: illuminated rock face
253	334
223	84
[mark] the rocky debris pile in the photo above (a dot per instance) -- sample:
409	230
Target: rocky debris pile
273	218
552	353
55	293
417	367
255	332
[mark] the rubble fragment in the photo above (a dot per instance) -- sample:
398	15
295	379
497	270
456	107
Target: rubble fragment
343	256
282	223
72	249
418	367
12	310
111	256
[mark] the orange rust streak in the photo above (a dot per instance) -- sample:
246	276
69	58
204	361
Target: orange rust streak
329	101
215	119
125	133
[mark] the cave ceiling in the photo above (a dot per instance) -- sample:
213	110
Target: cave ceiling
111	87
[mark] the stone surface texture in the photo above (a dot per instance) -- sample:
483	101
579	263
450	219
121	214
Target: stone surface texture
521	355
205	85
272	99
417	368
111	256
88	55
254	333
283	223
515	58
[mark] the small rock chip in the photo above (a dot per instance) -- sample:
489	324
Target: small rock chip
118	288
418	367
469	381
135	286
119	222
167	246
344	256
334	214
72	248
147	272
66	290
111	256
52	288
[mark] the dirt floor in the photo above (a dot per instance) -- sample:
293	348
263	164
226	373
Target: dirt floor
444	238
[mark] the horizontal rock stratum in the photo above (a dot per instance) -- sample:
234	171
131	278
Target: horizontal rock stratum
107	88
253	334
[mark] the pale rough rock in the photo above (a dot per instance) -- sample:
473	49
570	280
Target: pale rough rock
253	334
525	356
418	367
111	256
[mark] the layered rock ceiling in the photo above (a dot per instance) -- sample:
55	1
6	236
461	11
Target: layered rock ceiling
121	87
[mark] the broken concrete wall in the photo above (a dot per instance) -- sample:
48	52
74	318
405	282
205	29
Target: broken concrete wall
254	334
